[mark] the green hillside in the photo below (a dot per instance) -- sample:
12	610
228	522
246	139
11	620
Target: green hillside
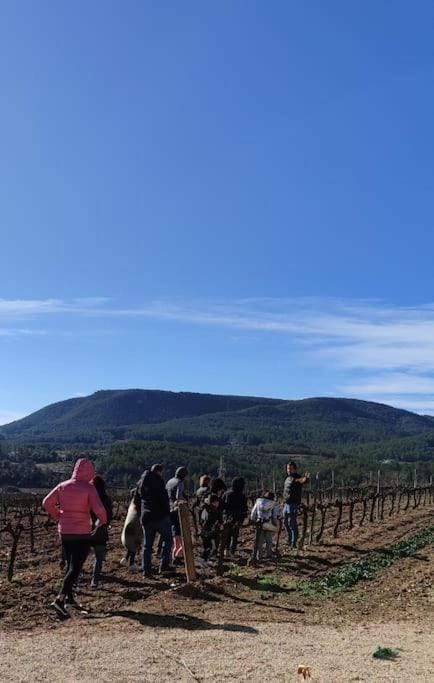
308	425
106	414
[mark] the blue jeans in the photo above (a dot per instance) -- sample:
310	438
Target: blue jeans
290	521
164	528
99	551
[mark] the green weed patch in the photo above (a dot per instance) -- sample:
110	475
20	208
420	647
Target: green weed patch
364	569
389	653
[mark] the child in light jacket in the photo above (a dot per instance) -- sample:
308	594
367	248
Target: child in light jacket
265	513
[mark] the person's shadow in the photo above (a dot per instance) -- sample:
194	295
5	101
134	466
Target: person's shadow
179	621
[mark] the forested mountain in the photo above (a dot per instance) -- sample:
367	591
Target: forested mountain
309	424
98	416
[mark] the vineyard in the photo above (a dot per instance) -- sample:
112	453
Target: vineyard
30	549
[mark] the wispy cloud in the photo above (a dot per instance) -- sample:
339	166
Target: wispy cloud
18	332
393	383
29	308
391	347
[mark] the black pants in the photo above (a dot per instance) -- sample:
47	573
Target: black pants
232	537
210	544
76	551
130	557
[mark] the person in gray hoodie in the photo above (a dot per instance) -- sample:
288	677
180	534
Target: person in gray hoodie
175	488
264	514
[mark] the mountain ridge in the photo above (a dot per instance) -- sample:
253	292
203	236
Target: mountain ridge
113	415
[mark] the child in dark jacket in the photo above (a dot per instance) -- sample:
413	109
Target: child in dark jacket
99	536
234	514
200	496
211	519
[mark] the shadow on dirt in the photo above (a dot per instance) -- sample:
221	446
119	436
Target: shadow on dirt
219	590
349	547
264	584
180	621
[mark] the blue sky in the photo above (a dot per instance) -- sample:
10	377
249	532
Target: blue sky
226	197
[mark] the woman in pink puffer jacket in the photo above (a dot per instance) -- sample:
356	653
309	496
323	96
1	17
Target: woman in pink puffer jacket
71	503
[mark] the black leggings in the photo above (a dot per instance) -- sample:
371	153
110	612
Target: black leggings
232	537
76	552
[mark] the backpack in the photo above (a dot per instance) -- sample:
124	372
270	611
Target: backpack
264	515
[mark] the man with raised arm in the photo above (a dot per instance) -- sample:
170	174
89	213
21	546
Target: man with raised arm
292	497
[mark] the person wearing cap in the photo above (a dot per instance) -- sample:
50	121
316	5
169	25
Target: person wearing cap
176	490
155	517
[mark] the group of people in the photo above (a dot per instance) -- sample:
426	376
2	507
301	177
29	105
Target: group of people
84	511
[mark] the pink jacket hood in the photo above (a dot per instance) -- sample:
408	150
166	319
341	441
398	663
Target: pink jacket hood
84	470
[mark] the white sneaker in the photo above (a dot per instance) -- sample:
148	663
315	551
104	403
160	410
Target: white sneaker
133	569
123	561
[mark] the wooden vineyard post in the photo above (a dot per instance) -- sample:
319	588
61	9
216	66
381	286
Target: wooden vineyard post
378	493
383	498
32	530
323	509
312	521
305	511
365	505
392	503
373	502
339	506
15	533
187	543
351	514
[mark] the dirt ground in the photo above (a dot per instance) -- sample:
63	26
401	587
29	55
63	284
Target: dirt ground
249	625
215	651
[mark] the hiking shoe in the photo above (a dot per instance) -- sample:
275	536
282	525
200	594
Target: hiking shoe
123	561
59	606
94	583
133	568
166	571
76	605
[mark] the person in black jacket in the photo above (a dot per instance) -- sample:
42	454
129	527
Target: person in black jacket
234	514
99	536
155	517
219	488
210	519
